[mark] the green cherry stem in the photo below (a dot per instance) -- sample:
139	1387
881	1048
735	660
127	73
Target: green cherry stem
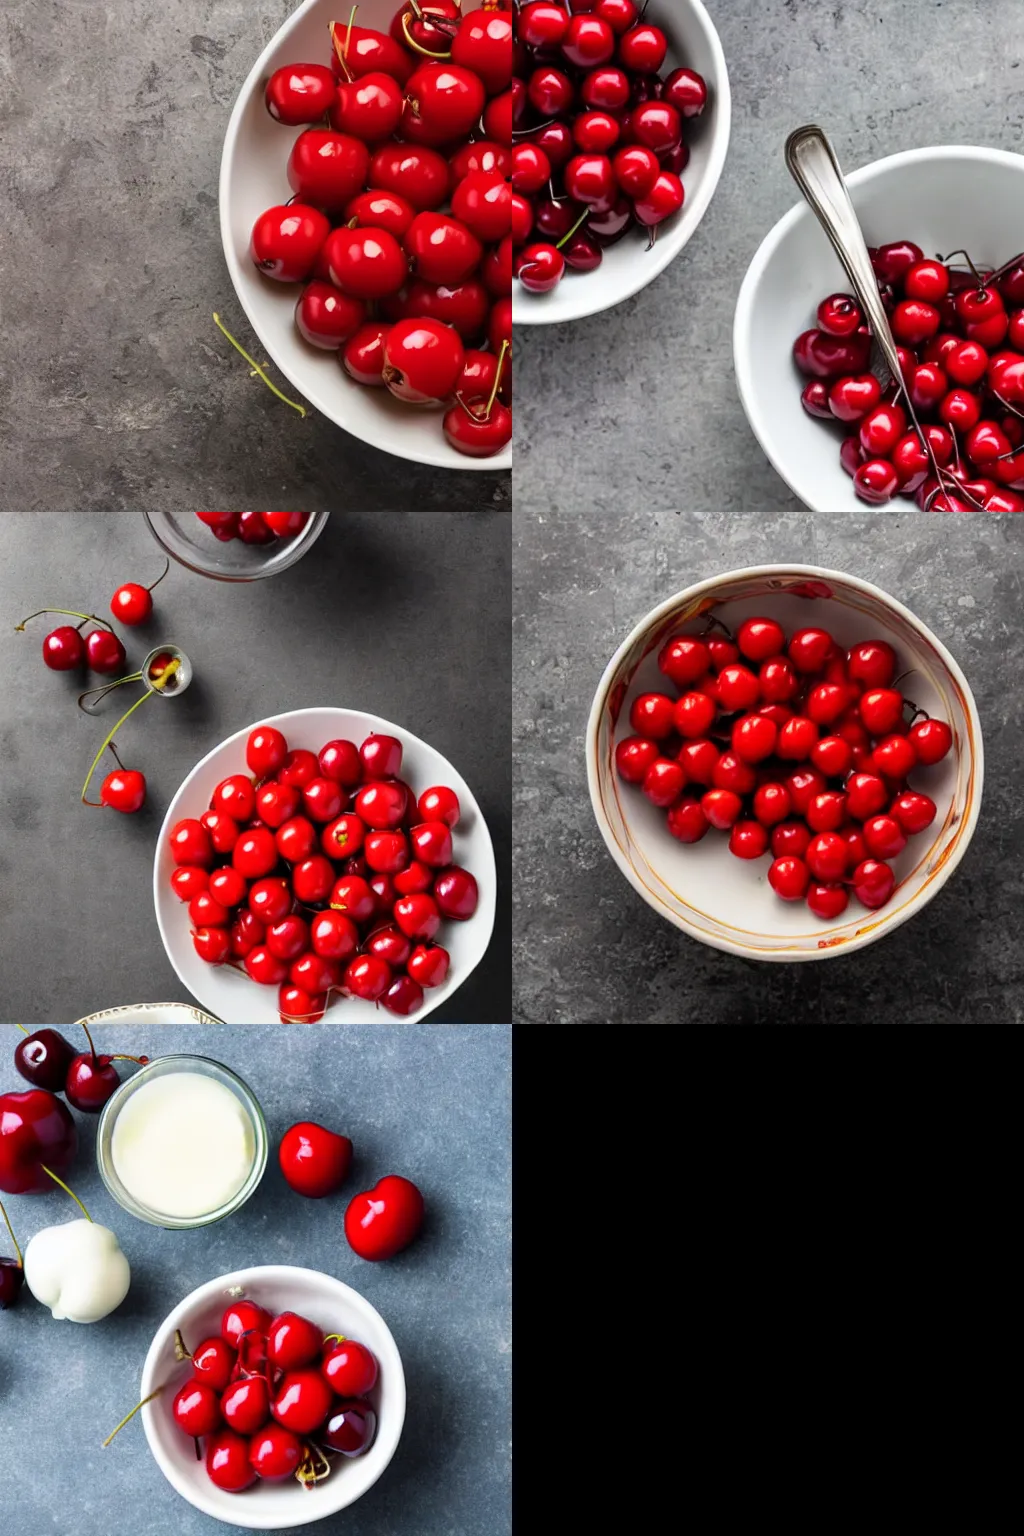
86	618
14	1240
570	232
98	804
129	1416
67	1191
256	367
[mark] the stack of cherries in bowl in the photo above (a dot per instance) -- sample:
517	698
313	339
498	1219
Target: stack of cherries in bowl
254	527
797	748
323	874
273	1399
399	221
600	145
960	333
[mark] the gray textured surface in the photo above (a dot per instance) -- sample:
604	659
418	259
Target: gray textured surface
587	948
433	1105
638	405
117	390
397	616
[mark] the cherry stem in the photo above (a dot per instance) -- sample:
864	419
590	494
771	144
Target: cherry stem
339	49
518	133
981	281
159	578
92	1047
23	1029
129	1416
337	1337
570	232
181	1350
418	47
140	1061
256	367
497	380
96	760
67	1191
86	618
1006	267
21	1260
102	691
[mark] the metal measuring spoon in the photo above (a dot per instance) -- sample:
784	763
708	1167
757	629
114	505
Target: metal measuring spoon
813	165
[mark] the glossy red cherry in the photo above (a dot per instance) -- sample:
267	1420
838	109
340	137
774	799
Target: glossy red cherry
227	1461
315	1161
370	107
443	103
382	1221
422	360
243	1317
275	1453
661	201
873	883
326	317
349	1368
302	1399
265	751
124	790
36	1129
789	877
368	977
417	173
286	241
931	740
300	93
43	1059
104	652
365	263
325	169
293	1341
350	1428
428	964
213	1361
539	267
687	91
196	1409
255	854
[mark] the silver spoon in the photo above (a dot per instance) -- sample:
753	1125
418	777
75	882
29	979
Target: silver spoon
813	165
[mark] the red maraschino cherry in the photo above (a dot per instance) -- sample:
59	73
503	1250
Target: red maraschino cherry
36	1133
315	1161
382	1221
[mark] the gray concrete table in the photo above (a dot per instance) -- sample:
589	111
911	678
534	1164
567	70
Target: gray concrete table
433	1105
118	389
587	948
638	406
398	615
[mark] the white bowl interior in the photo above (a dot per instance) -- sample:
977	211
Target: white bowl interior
252	178
231	996
336	1308
702	887
627	266
942	198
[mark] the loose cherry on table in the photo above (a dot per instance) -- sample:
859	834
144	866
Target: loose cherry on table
132	604
12	1272
92	1079
37	1139
382	1221
315	1161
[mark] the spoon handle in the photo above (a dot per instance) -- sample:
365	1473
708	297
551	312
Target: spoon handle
814	167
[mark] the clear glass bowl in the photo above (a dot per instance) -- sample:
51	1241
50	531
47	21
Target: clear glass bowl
161	1067
186	539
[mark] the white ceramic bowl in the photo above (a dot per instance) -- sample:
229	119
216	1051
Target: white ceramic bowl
701	888
252	178
627	266
230	995
337	1309
942	198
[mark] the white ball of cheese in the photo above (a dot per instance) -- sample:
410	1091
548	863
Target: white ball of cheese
77	1270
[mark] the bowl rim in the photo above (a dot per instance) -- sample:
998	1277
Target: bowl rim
297	548
444	457
486	913
745	301
885	924
199	1066
666	249
268	1274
